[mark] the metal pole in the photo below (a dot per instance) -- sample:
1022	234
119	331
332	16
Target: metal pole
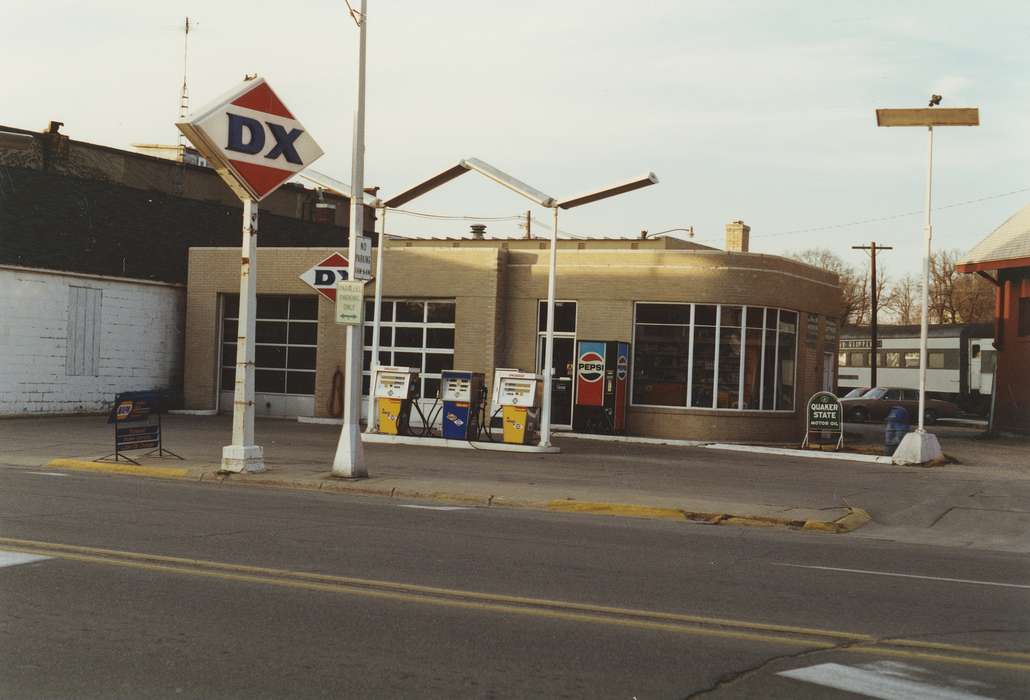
545	413
349	461
370	422
243	455
924	323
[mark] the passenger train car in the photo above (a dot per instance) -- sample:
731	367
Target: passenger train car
959	365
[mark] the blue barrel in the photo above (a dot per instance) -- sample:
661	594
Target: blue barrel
897	425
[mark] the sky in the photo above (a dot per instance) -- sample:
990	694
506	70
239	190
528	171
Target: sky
761	111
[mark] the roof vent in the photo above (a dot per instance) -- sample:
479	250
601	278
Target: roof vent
478	231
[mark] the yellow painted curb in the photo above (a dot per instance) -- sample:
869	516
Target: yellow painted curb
622	509
110	468
852	520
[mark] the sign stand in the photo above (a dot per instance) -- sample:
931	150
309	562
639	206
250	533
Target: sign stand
133	427
243	455
825	419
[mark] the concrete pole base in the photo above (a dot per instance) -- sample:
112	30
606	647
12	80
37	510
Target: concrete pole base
243	458
918	447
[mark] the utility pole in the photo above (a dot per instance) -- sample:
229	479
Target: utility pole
529	224
873	303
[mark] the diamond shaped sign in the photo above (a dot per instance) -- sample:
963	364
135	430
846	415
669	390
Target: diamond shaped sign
324	275
253	141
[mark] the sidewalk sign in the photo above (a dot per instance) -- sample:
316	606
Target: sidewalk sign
825	421
136	416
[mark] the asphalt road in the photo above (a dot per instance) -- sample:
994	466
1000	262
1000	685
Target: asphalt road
172	589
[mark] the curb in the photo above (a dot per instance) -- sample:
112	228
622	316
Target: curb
104	467
852	520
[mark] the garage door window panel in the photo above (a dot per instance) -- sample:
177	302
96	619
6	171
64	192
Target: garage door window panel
285	344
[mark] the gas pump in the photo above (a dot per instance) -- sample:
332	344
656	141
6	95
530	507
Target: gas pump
395	389
518	395
462	395
602	376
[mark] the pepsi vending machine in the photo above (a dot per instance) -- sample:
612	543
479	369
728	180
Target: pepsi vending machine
602	376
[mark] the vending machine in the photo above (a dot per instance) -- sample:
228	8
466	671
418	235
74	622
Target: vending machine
395	388
518	395
462	395
602	387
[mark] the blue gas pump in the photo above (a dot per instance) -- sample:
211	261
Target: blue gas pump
462	396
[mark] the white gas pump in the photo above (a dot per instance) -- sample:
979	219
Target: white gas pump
518	395
395	388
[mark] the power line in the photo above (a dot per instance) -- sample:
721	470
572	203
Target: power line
458	217
888	218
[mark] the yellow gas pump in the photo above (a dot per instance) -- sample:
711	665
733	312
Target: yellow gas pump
395	389
518	395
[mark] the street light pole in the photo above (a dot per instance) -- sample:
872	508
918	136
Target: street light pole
349	461
921	447
924	327
552	273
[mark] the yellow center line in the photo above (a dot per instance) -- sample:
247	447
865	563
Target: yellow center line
535	607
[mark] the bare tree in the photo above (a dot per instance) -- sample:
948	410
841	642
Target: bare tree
903	300
854	296
954	297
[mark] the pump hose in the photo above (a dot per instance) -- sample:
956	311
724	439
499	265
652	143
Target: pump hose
336	395
486	424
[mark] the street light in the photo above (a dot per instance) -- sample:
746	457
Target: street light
552	274
921	447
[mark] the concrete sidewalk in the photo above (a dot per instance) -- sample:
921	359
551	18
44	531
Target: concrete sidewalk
655	481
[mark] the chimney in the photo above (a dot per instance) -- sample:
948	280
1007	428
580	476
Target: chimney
737	234
478	231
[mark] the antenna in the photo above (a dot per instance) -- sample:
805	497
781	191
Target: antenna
184	97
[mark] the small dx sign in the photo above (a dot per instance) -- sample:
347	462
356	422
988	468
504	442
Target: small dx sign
324	276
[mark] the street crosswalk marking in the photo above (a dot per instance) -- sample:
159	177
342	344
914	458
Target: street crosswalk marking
16	558
412	505
888	681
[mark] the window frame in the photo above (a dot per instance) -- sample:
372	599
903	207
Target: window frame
746	309
425	325
286	345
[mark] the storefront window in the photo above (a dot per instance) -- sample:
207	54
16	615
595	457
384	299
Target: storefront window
714	356
413	333
285	343
661	357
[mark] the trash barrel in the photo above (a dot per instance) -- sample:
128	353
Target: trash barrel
897	425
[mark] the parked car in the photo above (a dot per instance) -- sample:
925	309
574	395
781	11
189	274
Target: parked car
877	402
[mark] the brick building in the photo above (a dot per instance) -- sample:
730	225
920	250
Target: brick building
93	259
1003	258
726	345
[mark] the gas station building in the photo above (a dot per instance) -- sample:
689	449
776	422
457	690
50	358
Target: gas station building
724	344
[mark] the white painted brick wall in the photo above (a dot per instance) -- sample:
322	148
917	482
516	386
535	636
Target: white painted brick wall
141	344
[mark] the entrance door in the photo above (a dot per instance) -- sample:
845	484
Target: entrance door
561	384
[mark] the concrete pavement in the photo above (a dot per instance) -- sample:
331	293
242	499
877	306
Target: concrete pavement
971	504
170	588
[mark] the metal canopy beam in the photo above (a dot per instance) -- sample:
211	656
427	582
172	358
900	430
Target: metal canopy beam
618	188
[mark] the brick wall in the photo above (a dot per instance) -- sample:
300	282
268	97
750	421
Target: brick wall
140	341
